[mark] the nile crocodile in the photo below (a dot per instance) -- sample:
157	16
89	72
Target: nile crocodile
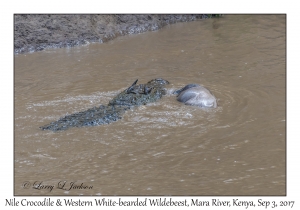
135	95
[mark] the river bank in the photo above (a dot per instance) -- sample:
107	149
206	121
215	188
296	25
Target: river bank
38	32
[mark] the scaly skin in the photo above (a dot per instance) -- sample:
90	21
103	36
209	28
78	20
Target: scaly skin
135	95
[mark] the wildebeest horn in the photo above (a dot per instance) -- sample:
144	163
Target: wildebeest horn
130	88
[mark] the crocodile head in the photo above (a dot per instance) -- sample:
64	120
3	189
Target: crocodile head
141	94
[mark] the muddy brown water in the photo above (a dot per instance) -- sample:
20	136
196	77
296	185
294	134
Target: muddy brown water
163	148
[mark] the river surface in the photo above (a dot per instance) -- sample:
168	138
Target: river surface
163	148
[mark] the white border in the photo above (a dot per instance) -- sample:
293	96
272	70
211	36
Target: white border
155	6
